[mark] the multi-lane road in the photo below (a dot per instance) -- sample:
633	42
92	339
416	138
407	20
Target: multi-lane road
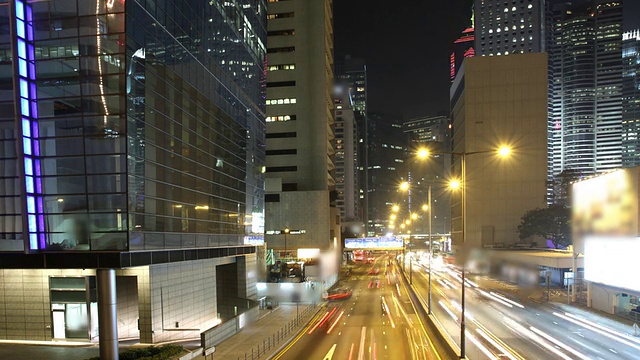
377	322
500	326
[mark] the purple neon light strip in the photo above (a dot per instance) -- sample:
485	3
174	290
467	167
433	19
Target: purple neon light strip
29	111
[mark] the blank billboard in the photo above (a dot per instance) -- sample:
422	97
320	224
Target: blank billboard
612	261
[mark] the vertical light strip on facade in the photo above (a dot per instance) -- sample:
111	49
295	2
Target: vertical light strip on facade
28	115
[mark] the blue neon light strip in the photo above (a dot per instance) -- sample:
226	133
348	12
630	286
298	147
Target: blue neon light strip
29	120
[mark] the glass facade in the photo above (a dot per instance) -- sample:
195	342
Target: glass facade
150	124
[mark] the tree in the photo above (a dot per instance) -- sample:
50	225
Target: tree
551	223
561	186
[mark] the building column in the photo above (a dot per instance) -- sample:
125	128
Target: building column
107	324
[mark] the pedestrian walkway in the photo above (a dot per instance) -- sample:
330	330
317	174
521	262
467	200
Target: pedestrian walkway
267	334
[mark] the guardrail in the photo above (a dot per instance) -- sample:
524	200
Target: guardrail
271	342
440	341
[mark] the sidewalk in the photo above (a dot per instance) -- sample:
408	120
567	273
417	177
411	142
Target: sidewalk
266	335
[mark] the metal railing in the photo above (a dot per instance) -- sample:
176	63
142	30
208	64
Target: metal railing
270	343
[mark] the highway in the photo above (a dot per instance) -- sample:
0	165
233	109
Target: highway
377	322
503	327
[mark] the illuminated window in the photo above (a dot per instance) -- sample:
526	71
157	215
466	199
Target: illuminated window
285	101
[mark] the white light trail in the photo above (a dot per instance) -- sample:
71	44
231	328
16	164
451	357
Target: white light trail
480	346
602	332
496	345
559	343
507	300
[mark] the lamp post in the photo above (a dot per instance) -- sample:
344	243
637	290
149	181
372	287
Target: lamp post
462	185
286	231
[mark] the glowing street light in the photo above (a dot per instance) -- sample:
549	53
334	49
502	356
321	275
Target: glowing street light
414	216
504	151
408	222
393	216
454	184
425	207
423	153
404	186
395	208
402	226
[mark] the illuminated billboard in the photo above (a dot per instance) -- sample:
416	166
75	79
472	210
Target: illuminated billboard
612	261
606	205
374	243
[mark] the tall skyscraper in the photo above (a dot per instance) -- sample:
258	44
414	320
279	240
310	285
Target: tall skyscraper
346	157
386	167
508	27
131	155
585	86
631	98
432	133
301	187
352	73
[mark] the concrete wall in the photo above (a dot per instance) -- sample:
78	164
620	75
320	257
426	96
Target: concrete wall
185	293
25	307
504	103
300	210
157	296
127	307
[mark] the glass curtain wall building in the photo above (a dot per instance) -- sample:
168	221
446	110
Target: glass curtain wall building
585	86
130	125
132	156
631	98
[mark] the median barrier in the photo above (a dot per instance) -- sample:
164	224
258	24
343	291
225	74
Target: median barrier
442	343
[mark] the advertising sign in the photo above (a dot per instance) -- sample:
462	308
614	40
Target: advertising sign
374	243
612	261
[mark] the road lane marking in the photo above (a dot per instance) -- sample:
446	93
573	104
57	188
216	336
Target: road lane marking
294	341
363	336
424	330
351	351
335	322
479	345
560	344
496	345
613	351
329	355
593	328
538	339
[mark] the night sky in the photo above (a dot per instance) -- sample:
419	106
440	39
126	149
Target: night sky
406	45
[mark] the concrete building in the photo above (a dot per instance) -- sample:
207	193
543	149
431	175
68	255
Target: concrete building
585	86
131	168
433	133
346	158
301	188
509	27
495	102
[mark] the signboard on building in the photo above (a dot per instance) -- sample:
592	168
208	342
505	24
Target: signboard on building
374	243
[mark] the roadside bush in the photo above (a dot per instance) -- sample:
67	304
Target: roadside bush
166	352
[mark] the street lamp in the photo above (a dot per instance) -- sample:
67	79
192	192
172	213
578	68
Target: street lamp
462	185
395	208
285	231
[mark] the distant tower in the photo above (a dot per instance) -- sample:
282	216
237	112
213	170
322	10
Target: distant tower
462	49
508	28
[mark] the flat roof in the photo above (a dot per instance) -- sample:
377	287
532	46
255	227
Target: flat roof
539	257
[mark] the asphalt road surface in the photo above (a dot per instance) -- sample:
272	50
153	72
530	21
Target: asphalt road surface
504	327
377	322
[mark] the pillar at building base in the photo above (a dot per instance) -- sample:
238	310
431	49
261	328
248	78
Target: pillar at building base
107	324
